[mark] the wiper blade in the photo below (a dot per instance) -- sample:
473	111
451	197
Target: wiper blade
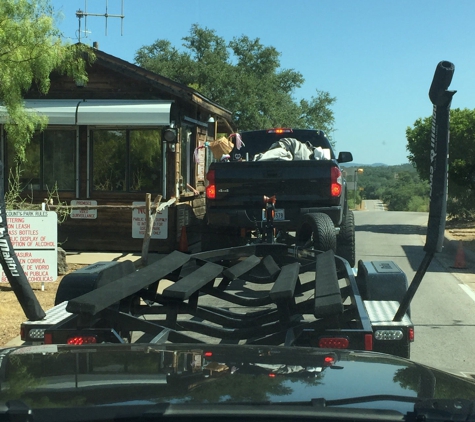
424	409
365	399
271	409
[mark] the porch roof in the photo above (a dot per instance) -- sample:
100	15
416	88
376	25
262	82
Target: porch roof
99	112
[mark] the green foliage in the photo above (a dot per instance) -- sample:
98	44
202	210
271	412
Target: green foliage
30	49
114	172
399	187
243	76
461	197
15	200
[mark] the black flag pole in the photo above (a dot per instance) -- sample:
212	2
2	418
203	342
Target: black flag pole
441	99
11	265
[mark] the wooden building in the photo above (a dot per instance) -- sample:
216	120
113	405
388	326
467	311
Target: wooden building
125	133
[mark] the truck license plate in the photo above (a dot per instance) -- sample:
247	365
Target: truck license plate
279	214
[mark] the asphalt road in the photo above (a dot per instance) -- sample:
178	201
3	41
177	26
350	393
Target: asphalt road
443	309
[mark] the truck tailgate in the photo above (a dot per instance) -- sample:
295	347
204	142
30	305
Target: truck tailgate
247	182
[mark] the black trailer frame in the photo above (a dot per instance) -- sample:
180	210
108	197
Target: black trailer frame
285	296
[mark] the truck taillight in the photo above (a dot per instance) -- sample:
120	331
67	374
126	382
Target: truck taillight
280	130
335	181
211	188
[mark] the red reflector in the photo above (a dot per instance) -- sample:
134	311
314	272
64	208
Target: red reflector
48	339
333	343
368	341
22	333
207	354
81	340
411	334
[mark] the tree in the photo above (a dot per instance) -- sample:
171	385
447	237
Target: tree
30	49
461	197
243	76
399	187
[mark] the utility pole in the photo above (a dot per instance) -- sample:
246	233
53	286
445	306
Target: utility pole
355	179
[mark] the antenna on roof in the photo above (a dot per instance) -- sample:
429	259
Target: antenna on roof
84	14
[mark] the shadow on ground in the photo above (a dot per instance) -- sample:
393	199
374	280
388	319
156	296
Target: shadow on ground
392	229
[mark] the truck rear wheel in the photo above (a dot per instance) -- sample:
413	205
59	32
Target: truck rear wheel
345	240
317	230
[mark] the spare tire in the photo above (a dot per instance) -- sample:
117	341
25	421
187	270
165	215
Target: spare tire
345	240
317	231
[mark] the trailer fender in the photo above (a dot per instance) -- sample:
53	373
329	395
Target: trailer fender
381	280
90	278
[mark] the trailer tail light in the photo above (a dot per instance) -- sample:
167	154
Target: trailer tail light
386	335
78	340
336	181
211	188
328	361
368	341
333	343
280	130
208	354
36	334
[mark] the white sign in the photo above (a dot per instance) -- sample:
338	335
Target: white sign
34	236
84	213
160	226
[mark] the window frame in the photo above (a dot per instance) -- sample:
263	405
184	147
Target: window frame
94	193
9	160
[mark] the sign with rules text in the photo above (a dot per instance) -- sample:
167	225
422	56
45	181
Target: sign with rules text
34	237
160	225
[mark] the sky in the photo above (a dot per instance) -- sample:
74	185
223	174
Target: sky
377	57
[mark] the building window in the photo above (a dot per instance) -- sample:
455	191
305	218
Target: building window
126	160
50	161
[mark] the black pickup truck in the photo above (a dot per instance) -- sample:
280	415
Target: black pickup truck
310	194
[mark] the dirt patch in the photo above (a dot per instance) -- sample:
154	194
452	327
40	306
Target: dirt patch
463	231
11	313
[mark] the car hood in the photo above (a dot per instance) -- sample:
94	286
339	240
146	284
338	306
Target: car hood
56	375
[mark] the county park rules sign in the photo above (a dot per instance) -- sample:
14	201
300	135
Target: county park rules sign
34	237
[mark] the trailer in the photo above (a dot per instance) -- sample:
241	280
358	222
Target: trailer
266	294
